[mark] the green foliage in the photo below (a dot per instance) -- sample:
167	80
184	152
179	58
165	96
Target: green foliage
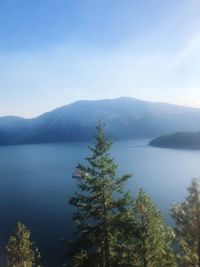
187	217
101	205
20	249
151	240
80	258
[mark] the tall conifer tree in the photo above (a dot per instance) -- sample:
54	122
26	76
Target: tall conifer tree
151	239
187	217
21	251
101	205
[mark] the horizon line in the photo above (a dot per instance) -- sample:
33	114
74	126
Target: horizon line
98	100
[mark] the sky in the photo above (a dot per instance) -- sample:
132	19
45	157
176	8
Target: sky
54	52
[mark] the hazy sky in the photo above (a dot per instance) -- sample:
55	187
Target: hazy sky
54	52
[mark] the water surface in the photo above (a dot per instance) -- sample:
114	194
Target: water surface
36	183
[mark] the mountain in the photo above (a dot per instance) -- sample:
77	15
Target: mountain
186	140
125	118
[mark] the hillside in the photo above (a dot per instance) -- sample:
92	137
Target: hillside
187	140
125	118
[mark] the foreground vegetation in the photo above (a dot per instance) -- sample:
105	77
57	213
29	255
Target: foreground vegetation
115	229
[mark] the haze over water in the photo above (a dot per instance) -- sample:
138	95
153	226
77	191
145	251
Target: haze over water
36	183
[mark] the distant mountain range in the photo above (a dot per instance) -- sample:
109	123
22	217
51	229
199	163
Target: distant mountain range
125	118
184	140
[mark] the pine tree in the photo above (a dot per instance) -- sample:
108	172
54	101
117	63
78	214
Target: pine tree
151	239
20	249
187	218
101	205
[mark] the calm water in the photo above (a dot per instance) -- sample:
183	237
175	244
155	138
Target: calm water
36	183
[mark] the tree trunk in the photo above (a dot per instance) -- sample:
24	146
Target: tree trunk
107	254
103	258
144	248
145	263
107	247
199	250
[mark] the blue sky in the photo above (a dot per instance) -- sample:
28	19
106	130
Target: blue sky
56	52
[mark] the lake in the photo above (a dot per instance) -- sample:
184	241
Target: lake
36	183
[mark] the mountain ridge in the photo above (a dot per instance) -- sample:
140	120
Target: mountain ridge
125	118
180	140
103	100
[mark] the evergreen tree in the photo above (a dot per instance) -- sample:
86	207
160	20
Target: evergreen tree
187	217
20	249
151	240
101	205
